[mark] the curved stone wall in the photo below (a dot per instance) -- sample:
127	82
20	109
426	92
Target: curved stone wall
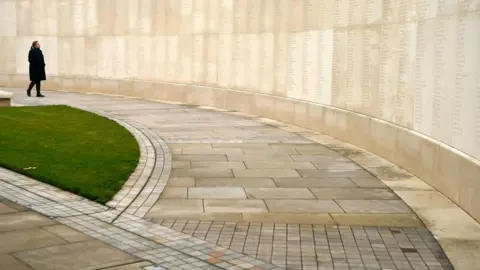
399	78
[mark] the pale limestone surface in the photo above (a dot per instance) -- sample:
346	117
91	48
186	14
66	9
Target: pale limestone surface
56	257
32	241
239	166
5	95
22	220
351	56
236	182
456	231
5	99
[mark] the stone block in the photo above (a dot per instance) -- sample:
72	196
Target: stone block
174	206
374	206
235	182
67	233
174	193
76	255
353	194
305	206
5	99
216	193
22	220
235	206
34	238
314	182
279	193
262	173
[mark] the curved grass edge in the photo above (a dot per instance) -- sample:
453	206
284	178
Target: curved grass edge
73	149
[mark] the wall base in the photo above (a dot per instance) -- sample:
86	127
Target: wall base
4	102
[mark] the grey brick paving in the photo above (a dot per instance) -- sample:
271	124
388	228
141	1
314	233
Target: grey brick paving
296	246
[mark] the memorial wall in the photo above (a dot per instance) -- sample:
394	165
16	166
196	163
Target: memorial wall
400	78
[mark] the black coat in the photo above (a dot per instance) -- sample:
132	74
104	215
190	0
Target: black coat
37	65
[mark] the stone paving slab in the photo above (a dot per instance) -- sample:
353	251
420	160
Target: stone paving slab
279	193
33	241
305	206
234	206
16	221
353	194
216	193
287	168
234	182
338	182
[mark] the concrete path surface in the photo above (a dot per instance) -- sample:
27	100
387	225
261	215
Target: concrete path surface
32	241
272	192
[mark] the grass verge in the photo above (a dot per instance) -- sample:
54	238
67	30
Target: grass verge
74	150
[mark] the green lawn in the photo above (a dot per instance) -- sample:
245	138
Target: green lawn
72	149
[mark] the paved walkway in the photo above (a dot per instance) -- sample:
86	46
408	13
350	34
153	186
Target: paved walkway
271	191
32	241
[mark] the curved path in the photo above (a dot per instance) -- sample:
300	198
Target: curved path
276	192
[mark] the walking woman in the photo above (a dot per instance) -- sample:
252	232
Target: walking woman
37	68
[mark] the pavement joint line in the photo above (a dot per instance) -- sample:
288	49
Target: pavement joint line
142	164
146	182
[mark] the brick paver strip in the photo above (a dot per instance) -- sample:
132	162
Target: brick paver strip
140	176
146	184
130	233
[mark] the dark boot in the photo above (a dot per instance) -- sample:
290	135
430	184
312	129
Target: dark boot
38	90
29	90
